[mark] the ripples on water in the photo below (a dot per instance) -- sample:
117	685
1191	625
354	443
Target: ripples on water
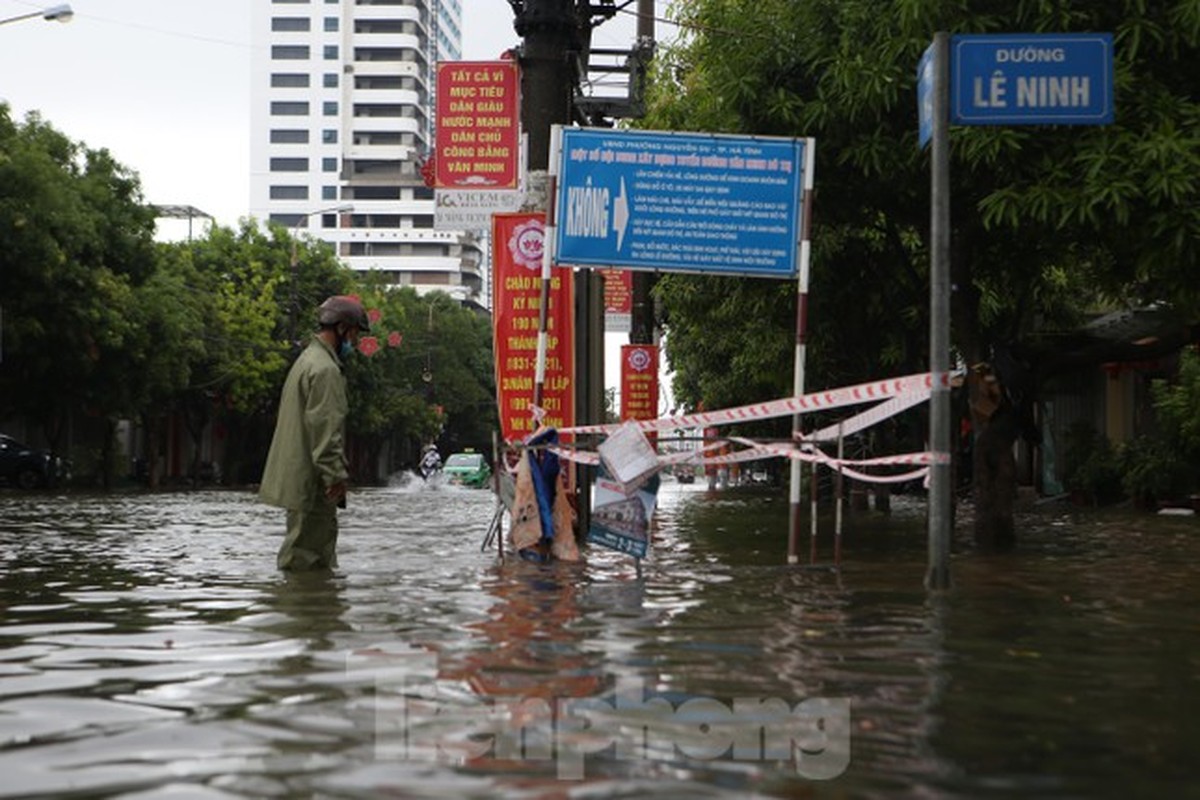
150	649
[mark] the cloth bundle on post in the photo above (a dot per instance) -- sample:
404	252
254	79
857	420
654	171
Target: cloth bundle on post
542	516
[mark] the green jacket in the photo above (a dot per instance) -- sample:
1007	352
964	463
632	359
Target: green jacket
308	450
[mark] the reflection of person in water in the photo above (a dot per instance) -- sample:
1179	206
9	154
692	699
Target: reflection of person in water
528	647
527	658
311	607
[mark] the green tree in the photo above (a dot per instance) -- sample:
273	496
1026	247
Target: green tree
434	382
1046	220
256	310
75	242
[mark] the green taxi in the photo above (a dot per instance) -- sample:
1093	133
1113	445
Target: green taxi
467	469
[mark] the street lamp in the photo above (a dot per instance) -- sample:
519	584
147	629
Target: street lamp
59	13
295	266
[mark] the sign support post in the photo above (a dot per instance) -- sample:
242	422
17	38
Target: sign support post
796	470
938	576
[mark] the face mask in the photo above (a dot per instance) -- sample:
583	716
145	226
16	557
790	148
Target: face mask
345	349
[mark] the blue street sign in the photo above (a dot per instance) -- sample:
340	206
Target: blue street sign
925	97
1031	79
679	202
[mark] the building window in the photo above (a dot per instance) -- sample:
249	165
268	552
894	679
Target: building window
289	136
289	165
331	52
331	80
329	193
329	165
290	24
331	108
289	52
289	192
289	80
329	136
331	24
285	108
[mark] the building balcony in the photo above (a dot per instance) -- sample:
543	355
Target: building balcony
387	125
386	97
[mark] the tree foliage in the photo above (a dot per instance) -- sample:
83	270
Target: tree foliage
100	321
75	243
1047	221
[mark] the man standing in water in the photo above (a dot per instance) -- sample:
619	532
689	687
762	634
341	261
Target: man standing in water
306	469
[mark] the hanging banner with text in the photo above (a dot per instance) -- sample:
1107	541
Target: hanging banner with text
679	202
517	242
478	125
639	381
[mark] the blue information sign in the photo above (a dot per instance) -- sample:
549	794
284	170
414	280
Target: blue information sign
679	202
1031	78
925	91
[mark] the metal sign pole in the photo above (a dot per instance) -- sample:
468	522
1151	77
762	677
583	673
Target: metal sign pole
539	380
938	576
796	477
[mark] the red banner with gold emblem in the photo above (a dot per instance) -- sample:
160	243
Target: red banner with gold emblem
639	381
517	242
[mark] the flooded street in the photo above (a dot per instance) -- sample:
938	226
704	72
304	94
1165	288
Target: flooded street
149	648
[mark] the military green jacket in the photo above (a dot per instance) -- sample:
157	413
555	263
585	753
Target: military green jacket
308	450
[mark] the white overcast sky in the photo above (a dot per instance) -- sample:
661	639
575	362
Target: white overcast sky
165	84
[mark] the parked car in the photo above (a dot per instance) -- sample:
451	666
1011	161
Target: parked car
29	468
467	469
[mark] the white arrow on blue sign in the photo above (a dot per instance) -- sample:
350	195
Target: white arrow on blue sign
679	202
1031	78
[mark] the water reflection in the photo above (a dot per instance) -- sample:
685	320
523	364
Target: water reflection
149	646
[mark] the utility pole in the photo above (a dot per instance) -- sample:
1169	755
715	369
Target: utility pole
551	44
554	60
550	31
641	327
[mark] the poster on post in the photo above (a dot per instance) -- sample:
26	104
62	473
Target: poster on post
618	300
517	242
621	521
639	381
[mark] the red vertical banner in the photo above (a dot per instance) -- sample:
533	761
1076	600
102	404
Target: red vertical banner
639	382
517	242
478	125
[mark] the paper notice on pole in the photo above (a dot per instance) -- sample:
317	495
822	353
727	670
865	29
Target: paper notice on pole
628	456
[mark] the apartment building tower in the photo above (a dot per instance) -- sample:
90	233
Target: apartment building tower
342	115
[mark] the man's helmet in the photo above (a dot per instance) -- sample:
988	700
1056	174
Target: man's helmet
341	308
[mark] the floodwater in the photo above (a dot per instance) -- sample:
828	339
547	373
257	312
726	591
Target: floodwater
148	648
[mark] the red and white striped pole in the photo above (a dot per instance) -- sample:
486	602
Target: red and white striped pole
539	375
801	333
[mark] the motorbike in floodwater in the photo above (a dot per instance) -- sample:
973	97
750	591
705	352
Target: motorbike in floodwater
431	464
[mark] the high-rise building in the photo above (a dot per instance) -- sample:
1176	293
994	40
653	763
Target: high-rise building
343	99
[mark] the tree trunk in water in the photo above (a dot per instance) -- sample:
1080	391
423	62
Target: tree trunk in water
150	425
106	454
994	466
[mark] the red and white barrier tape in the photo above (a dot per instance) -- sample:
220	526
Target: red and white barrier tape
917	384
864	420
